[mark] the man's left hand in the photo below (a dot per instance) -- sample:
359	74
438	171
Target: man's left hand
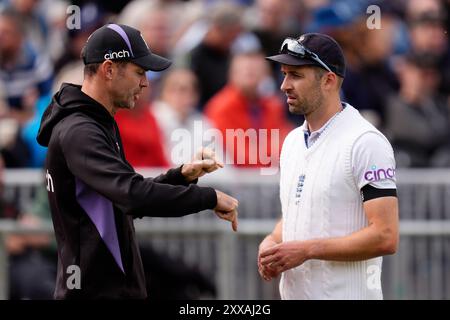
204	161
284	256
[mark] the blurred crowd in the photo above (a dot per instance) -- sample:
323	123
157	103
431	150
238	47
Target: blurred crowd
398	76
398	58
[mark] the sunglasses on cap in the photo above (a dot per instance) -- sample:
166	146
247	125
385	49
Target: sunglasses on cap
295	48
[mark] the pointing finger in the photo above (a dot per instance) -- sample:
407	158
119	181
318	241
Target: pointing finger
234	224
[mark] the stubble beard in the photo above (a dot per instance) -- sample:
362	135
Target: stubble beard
122	104
125	102
306	106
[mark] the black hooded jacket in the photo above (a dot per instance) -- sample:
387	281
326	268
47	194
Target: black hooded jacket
94	195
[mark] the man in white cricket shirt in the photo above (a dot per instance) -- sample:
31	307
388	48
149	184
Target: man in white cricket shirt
337	185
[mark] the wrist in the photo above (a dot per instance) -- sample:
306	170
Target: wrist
185	172
268	241
310	249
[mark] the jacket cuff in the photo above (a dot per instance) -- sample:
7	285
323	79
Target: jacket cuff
209	197
175	177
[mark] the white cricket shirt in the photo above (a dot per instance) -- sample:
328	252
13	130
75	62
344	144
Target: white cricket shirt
320	198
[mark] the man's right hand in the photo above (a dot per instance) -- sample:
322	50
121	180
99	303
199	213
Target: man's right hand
266	272
226	208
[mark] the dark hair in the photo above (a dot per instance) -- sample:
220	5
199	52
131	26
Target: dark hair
92	68
319	73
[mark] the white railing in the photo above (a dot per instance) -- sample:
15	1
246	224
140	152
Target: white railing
424	211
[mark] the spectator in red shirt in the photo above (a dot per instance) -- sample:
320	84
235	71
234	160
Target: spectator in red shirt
247	103
141	136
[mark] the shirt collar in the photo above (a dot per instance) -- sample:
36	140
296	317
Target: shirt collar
311	137
319	131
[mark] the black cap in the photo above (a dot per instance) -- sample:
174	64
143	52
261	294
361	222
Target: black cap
324	46
121	42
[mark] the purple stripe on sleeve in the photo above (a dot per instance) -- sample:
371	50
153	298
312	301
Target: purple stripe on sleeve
123	34
101	213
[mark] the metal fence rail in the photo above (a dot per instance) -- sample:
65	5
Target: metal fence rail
420	269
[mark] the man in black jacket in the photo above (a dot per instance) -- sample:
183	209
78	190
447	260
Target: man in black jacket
94	193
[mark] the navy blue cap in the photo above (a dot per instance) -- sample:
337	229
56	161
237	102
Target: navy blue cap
324	46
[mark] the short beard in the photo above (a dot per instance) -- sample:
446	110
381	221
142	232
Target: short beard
120	103
307	106
123	105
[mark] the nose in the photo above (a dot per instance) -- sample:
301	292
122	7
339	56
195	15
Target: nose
144	81
285	85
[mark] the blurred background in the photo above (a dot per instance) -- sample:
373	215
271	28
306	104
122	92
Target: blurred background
398	77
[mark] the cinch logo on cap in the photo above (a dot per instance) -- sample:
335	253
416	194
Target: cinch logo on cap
380	174
117	55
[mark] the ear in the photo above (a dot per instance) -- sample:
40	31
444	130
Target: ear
329	81
107	69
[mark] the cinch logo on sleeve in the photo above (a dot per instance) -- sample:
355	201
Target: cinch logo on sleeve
117	55
379	174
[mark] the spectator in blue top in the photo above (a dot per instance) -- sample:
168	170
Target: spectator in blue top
23	71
